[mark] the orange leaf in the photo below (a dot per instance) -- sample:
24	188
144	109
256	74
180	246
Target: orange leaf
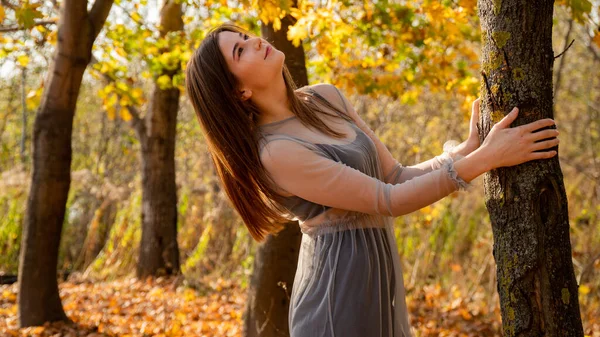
597	39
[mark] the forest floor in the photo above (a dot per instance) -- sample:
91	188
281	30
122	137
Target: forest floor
164	307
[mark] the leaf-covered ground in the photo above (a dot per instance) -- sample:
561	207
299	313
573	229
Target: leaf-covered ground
163	307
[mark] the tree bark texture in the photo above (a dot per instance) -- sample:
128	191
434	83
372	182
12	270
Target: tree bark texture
527	203
276	259
38	298
159	251
271	284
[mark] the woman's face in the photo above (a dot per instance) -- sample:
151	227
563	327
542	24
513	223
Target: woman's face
253	61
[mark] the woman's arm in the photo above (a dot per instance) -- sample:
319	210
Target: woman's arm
303	172
393	171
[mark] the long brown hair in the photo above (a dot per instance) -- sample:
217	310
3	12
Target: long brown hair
230	127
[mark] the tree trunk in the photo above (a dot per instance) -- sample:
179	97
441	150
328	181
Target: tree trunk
271	284
39	300
527	203
159	252
275	262
24	115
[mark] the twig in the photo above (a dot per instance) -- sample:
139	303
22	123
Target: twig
139	23
15	28
564	51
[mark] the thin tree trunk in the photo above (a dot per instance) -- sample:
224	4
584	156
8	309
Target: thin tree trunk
4	119
38	299
527	203
275	262
24	115
159	252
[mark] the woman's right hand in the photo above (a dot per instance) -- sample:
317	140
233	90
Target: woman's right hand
513	146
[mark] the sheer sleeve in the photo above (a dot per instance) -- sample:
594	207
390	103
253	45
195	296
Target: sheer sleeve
300	171
393	171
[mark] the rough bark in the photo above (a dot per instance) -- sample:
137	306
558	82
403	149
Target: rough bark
38	298
159	252
271	284
527	203
276	259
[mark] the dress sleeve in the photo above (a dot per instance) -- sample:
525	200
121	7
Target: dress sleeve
301	171
393	171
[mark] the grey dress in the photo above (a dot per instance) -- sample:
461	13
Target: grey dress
345	194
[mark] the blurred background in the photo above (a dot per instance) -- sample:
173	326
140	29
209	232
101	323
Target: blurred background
412	70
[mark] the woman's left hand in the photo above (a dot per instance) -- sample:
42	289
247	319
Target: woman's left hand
472	143
473	140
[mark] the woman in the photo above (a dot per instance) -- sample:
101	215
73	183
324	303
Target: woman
305	154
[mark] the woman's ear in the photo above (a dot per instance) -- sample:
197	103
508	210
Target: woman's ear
246	94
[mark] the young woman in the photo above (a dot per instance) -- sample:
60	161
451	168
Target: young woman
286	153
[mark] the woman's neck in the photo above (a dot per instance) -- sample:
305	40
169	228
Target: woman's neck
273	102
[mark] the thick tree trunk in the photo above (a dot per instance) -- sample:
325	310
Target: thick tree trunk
39	300
275	262
159	252
527	203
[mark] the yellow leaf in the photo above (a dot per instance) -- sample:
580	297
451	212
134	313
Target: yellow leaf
296	33
122	87
38	330
276	24
23	60
164	82
110	111
137	93
10	296
125	101
465	314
136	17
121	51
52	37
584	290
2	14
468	5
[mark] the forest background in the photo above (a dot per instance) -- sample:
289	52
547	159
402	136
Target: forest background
412	70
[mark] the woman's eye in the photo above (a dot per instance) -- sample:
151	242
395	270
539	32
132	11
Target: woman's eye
240	49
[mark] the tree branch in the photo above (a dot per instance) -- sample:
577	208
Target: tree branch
15	28
98	15
8	4
128	13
